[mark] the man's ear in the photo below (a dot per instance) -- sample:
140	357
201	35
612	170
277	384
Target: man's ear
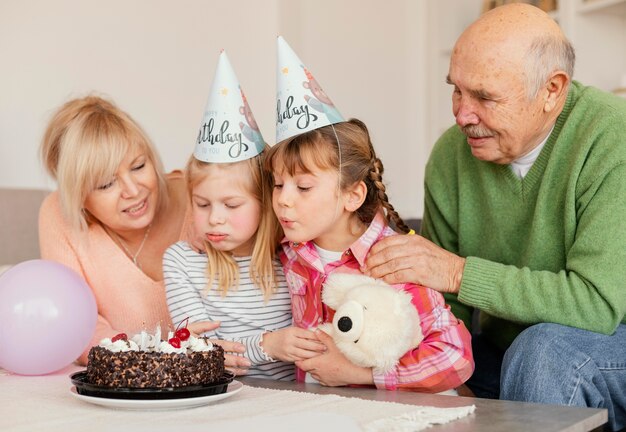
354	196
555	89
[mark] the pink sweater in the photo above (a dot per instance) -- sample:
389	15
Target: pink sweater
128	300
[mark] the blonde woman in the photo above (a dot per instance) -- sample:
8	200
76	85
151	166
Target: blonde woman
113	215
239	281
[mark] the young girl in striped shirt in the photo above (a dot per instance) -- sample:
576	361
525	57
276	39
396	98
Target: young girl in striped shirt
238	281
331	202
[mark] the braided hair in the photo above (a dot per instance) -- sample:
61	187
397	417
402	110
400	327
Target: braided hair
319	148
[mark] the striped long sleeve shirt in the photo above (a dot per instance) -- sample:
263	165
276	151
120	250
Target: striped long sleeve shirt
442	361
243	313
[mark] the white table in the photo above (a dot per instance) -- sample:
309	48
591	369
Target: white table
46	403
490	415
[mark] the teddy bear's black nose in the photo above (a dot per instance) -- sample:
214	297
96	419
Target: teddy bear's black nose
344	324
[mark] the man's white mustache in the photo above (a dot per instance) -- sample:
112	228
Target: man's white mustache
476	131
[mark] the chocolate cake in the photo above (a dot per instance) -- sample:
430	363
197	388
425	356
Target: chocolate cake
111	366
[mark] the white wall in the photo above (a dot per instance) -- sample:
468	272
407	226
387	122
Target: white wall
446	20
369	58
384	62
156	58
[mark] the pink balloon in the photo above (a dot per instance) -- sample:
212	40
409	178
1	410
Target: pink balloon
47	317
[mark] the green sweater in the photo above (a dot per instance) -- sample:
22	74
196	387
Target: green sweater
547	248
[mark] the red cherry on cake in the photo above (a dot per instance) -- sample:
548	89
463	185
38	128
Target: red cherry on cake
183	334
119	336
175	342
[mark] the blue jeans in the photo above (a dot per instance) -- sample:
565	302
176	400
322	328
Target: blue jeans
556	364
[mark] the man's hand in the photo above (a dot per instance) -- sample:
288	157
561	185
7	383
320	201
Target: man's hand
332	368
413	259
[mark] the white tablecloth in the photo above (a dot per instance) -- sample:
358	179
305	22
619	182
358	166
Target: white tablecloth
45	403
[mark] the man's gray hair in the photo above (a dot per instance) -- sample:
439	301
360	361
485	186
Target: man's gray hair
546	55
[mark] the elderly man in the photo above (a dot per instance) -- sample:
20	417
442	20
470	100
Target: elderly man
525	216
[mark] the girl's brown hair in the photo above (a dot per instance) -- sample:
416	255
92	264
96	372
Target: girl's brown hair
222	269
319	148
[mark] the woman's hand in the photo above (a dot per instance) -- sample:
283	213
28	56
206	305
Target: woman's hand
414	259
332	368
292	343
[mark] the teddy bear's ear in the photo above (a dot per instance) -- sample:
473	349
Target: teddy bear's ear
338	284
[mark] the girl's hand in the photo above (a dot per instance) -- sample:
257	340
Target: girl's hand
200	327
234	360
332	368
292	343
195	239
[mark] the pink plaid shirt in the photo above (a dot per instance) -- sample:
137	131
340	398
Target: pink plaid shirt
441	362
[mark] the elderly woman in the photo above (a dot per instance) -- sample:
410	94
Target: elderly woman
113	216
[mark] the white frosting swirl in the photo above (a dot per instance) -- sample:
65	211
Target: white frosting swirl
157	336
119	345
166	347
199	344
145	341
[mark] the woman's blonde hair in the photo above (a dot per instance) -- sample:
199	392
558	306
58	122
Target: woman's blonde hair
222	269
319	148
83	147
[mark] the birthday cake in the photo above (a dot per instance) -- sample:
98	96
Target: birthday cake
144	361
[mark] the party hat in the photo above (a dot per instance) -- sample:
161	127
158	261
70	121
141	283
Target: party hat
228	132
301	104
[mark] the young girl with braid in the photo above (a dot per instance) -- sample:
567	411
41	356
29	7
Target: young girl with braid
331	202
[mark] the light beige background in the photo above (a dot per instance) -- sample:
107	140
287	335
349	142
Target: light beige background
156	59
381	61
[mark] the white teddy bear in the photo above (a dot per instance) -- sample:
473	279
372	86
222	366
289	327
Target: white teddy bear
374	324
